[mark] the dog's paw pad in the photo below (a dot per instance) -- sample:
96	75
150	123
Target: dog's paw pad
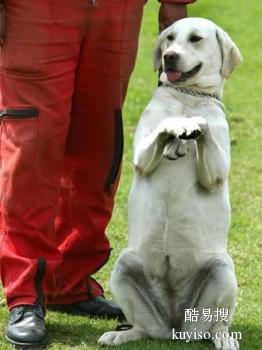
190	134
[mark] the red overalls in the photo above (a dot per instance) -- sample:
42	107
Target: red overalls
64	70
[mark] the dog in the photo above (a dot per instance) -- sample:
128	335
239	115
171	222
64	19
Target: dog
179	205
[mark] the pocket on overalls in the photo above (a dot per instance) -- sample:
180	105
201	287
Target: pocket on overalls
18	147
19	124
117	152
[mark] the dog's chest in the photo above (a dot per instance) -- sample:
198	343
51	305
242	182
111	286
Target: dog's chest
177	173
188	106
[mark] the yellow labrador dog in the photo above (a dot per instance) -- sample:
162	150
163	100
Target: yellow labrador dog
176	261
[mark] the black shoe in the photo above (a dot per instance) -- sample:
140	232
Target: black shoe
98	307
26	326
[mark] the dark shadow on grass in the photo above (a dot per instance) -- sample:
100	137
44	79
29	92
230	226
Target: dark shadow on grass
75	330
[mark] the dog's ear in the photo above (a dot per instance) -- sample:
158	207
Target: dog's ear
157	54
231	55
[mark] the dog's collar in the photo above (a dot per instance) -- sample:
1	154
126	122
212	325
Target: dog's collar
191	92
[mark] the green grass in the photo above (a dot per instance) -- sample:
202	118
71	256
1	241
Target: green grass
242	19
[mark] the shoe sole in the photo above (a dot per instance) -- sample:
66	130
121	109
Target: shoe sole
19	345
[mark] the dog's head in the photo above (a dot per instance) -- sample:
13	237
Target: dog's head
195	51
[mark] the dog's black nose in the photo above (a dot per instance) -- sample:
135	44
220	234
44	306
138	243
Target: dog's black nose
170	60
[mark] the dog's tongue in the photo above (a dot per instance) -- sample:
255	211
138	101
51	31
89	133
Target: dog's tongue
173	76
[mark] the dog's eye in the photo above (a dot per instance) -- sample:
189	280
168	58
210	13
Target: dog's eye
170	37
195	38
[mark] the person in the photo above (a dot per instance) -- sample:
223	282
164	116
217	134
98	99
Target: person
65	67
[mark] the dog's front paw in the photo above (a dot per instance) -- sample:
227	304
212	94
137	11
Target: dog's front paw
183	128
193	128
110	339
226	344
115	338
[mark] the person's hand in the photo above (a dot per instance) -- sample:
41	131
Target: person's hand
169	13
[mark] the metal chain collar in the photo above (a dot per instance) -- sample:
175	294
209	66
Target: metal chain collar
192	92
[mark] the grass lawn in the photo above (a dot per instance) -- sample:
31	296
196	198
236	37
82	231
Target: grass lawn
242	19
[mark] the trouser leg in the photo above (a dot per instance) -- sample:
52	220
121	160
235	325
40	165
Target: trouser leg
94	145
37	74
37	63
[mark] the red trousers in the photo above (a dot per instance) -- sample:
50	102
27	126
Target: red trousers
64	70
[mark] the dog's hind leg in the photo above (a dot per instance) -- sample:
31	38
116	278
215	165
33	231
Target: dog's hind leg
142	300
213	296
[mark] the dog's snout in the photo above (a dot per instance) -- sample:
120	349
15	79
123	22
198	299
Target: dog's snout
170	60
171	56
